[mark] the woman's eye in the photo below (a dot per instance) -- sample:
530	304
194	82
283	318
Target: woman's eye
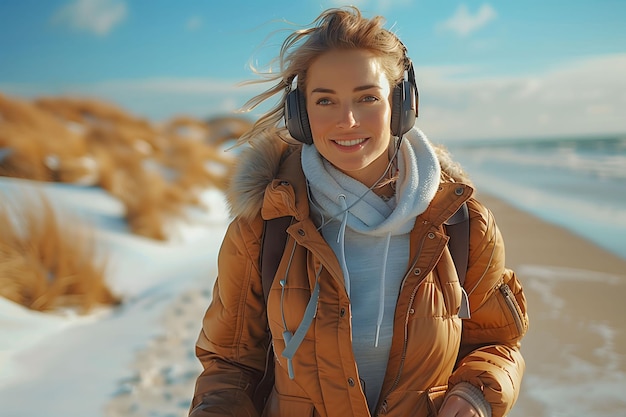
323	102
369	98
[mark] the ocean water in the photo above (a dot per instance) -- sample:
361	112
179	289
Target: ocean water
577	183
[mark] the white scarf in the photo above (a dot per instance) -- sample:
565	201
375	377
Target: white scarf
419	174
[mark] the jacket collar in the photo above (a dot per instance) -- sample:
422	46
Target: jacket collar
448	199
268	179
287	194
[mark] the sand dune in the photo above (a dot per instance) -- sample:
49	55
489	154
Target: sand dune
154	169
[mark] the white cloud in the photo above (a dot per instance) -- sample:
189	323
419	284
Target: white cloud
577	98
95	16
464	23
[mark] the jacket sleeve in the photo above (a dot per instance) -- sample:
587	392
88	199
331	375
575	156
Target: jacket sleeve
233	342
489	356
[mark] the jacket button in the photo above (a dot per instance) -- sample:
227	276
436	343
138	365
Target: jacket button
342	312
351	381
459	191
301	232
417	271
431	235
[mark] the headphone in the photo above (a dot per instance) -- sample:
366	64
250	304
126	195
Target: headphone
404	102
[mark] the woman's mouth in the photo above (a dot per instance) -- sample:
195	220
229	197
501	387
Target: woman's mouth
349	142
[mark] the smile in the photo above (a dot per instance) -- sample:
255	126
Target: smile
350	142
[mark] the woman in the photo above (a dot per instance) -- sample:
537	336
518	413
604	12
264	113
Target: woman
364	312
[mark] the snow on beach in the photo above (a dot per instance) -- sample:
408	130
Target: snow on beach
64	364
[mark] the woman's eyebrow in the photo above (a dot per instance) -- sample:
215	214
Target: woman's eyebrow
323	90
331	91
367	87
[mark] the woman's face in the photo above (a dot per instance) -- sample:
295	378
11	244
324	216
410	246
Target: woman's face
348	104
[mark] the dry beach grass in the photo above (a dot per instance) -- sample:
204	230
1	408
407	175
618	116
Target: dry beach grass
155	171
47	264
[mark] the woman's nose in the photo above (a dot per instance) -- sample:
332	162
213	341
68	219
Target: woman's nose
347	117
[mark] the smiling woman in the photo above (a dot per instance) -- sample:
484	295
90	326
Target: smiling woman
364	316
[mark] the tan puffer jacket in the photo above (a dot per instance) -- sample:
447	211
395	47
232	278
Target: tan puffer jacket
432	349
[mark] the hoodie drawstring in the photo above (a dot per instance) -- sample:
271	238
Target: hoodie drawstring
341	239
293	340
381	297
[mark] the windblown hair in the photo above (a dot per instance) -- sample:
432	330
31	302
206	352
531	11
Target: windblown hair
342	28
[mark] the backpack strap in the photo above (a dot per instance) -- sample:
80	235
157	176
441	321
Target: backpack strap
272	248
457	228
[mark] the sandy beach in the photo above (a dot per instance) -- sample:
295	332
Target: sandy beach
575	292
576	335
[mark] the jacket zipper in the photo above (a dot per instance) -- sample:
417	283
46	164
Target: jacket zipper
382	408
511	302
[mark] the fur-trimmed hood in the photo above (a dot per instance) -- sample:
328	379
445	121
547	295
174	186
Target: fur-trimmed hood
260	162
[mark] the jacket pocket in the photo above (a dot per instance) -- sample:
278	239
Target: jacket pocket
435	399
513	307
280	405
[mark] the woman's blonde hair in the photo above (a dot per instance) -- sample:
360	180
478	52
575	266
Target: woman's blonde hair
338	28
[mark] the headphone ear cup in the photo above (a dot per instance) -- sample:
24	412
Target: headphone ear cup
296	117
403	108
396	109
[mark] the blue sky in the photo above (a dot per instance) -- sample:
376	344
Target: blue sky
485	69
